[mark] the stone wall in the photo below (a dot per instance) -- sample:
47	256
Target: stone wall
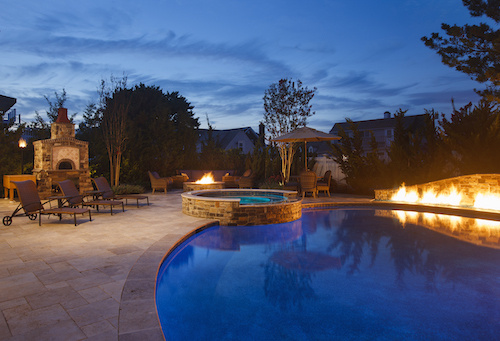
61	147
467	185
58	130
230	212
192	186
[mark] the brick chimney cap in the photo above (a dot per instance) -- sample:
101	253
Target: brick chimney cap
62	116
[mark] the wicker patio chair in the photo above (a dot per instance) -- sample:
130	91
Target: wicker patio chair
308	183
159	183
246	180
31	205
105	191
73	198
324	184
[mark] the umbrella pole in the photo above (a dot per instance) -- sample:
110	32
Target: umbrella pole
305	152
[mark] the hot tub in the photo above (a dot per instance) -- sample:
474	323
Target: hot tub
243	206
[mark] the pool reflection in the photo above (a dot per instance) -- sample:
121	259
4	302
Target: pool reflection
356	268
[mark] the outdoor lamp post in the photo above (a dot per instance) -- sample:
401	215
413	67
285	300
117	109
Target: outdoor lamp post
22	145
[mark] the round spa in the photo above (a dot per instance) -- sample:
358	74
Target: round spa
243	206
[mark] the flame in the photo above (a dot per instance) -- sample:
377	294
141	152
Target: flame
403	195
487	201
449	196
207	178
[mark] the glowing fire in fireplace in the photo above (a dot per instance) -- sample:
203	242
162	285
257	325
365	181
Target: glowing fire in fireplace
207	178
450	197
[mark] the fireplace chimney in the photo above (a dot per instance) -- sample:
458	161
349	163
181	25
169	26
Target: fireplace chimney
62	116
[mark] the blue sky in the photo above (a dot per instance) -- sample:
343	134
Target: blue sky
364	57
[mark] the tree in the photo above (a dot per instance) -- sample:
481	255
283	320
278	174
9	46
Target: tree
90	130
53	111
162	127
473	49
10	153
472	137
40	129
114	103
286	107
349	154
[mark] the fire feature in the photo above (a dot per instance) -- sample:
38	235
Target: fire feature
206	182
479	191
450	197
208	178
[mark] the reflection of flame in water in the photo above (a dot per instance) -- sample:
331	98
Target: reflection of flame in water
492	224
450	221
450	196
207	178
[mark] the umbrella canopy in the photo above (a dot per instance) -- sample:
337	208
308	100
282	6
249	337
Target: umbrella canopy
306	134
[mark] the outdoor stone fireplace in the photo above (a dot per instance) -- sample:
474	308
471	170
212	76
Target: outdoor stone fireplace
62	157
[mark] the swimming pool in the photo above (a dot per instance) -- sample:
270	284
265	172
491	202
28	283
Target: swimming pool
333	274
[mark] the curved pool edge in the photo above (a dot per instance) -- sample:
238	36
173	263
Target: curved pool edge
138	317
141	280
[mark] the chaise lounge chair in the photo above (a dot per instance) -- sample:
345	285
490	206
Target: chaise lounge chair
106	192
73	198
32	206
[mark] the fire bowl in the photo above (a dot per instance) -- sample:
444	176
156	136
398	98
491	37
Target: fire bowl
193	186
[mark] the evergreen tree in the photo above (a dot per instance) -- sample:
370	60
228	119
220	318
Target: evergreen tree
472	138
473	49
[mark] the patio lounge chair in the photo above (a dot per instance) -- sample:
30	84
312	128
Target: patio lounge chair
159	183
32	206
308	183
106	192
73	198
324	184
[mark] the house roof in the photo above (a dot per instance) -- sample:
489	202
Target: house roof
409	122
226	136
6	103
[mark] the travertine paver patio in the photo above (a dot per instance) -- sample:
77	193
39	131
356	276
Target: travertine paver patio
94	281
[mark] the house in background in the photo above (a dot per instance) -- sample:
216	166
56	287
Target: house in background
244	139
5	104
382	129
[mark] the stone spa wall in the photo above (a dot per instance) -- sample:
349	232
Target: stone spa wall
230	212
468	185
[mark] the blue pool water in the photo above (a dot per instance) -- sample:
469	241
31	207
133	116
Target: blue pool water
246	197
345	274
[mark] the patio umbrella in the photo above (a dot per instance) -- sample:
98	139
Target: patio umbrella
306	134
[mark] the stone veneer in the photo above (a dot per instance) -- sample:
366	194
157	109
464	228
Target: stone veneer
229	211
467	185
61	147
193	186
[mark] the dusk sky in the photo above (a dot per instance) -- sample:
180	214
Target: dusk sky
365	57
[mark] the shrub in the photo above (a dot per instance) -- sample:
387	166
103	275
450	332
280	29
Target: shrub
128	189
273	182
